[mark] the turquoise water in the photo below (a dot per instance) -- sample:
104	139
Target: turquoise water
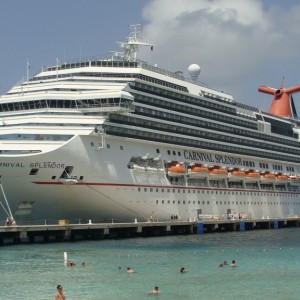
268	267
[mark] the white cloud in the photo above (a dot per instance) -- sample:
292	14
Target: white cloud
235	42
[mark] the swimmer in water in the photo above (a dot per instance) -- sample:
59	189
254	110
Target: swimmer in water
129	270
59	295
233	264
154	291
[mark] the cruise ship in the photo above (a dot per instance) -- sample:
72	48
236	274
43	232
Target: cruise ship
119	140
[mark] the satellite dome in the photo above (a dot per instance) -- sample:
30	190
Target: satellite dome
194	71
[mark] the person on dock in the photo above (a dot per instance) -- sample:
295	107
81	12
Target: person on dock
155	291
59	295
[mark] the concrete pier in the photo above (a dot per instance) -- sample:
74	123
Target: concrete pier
64	231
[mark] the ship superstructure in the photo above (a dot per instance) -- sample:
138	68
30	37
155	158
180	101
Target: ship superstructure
118	139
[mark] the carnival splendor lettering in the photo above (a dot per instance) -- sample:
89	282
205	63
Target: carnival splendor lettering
43	164
208	157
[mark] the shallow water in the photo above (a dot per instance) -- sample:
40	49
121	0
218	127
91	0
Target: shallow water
268	267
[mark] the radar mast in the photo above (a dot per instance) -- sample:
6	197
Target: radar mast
134	43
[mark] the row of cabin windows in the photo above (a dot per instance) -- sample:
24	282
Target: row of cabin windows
116	75
196	143
245	163
290	169
224	202
277	167
186	99
213	192
192	111
93	63
63	103
198	133
40	79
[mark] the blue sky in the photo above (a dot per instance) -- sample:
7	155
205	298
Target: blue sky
238	44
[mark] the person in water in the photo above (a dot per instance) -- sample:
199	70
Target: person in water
154	291
59	295
182	270
129	270
233	264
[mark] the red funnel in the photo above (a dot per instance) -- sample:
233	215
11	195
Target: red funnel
281	104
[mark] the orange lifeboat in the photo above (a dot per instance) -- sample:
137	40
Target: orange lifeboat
237	175
268	178
281	178
252	176
176	170
198	171
218	173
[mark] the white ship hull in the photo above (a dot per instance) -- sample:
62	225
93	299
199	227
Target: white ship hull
110	191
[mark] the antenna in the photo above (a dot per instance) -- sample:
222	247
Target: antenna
27	70
281	86
57	61
134	43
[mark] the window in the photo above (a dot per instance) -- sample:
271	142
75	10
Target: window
34	171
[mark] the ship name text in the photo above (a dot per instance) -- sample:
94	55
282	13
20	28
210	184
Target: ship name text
47	165
40	165
213	158
11	165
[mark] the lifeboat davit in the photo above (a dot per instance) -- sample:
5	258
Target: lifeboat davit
236	175
294	180
218	173
198	171
176	170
